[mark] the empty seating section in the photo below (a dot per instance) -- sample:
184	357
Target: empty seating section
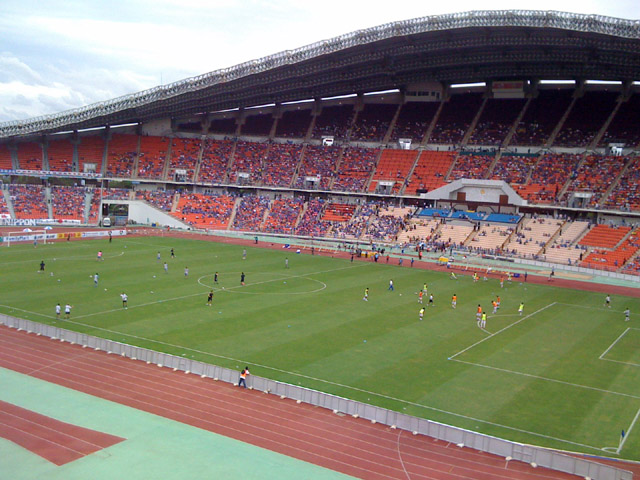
596	175
471	166
430	171
258	125
5	157
414	120
490	239
418	230
248	159
30	156
90	151
250	212
394	165
152	157
205	211
283	215
184	156
280	164
626	194
333	121
453	235
28	201
548	177
541	117
531	238
60	155
215	158
310	224
338	212
355	169
321	162
68	202
160	199
495	121
294	123
514	169
625	126
455	117
225	126
564	248
373	122
616	258
604	236
122	155
585	119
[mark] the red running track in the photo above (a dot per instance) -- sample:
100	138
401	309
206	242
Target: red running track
56	441
345	444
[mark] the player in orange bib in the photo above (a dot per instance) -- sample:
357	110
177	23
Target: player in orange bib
454	301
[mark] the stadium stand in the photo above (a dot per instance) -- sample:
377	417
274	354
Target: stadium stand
625	126
152	157
257	125
68	202
394	165
30	156
514	168
470	165
541	117
452	235
617	257
548	177
248	160
206	211
294	123
418	230
604	236
334	121
414	120
225	126
625	195
372	123
250	213
215	158
455	118
490	239
123	150
5	157
354	169
430	171
90	151
496	119
321	162
184	156
28	201
585	119
596	175
280	164
310	223
564	248
60	155
160	199
532	236
283	215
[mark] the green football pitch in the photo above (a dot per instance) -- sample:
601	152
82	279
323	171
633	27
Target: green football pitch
564	374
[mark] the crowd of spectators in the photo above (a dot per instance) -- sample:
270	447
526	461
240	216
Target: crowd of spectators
588	114
215	158
414	120
595	174
152	157
184	156
471	165
60	155
30	156
334	121
319	161
250	212
625	195
68	202
625	125
455	117
283	215
372	122
355	168
249	158
122	155
310	223
161	199
280	164
495	121
541	117
294	123
514	169
28	201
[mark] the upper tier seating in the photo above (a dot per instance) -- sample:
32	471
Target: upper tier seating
152	157
91	151
373	122
60	155
122	154
248	158
474	166
596	175
355	169
184	156
257	125
625	126
394	165
281	163
68	202
495	121
514	169
585	119
430	171
455	117
414	120
294	123
226	126
319	161
541	117
30	156
28	201
626	194
548	177
5	157
604	236
215	158
333	121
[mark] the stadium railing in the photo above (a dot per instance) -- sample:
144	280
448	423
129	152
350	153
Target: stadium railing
509	450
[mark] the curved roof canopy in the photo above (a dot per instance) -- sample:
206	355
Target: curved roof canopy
455	48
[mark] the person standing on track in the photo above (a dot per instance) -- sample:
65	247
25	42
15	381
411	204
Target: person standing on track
242	382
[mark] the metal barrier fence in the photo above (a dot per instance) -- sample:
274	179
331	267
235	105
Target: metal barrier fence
509	450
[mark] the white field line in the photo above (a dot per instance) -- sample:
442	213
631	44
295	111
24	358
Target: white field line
500	331
537	377
590	307
633	422
614	343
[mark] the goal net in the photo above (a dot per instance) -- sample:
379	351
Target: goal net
37	237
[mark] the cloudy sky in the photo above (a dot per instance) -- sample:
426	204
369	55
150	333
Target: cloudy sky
61	54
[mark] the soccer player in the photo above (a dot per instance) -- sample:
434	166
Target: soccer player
607	301
215	278
186	272
420	296
158	257
495	306
521	309
166	267
454	301
96	277
286	262
478	314
483	320
99	255
425	288
501	282
431	300
475	277
67	311
498	301
453	276
244	254
41	266
390	285
421	314
59	309
210	298
173	255
627	313
125	300
366	295
242	278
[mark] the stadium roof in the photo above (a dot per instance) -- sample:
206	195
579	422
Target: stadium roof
454	48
